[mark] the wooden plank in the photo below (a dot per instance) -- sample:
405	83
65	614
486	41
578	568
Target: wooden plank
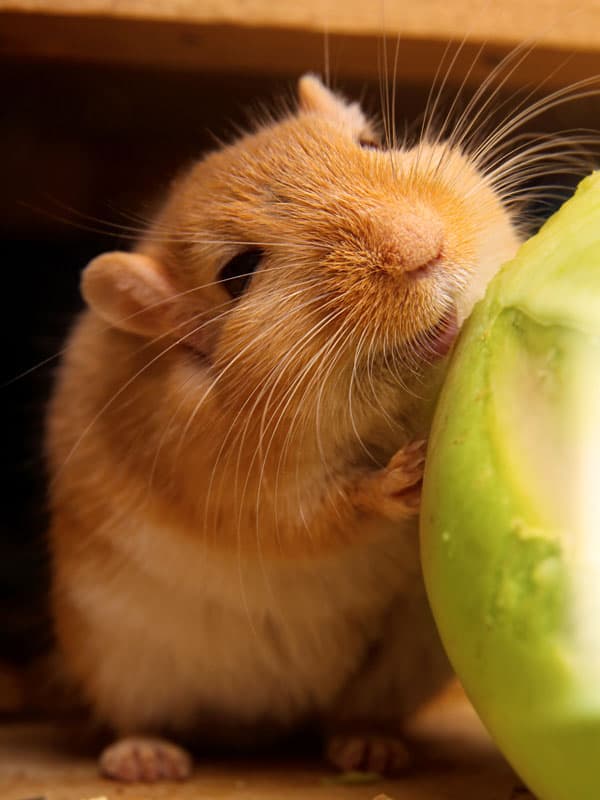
457	762
274	51
568	24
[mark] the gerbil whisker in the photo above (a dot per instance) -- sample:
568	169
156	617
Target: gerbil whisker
575	91
394	89
316	377
320	379
300	409
457	96
471	114
541	144
532	160
326	58
261	386
108	229
154	234
144	220
346	331
357	355
268	385
432	104
279	411
373	398
382	70
503	180
264	334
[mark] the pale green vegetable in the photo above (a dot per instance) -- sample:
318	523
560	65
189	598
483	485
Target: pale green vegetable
511	505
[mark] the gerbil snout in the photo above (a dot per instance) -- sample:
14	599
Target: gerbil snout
416	243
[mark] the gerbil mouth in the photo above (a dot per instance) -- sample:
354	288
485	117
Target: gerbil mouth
437	341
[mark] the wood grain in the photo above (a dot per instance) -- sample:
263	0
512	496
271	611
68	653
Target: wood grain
457	762
286	38
564	23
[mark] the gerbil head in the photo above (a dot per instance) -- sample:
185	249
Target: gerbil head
306	256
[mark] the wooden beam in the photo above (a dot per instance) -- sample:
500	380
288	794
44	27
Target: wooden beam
565	24
270	47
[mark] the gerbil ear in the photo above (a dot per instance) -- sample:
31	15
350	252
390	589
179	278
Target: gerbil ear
129	291
314	97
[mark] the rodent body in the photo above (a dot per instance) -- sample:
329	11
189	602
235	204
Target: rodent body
234	488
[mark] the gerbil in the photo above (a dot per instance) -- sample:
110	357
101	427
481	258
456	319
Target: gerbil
236	443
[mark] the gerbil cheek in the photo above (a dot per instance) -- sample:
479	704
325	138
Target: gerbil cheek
130	292
199	333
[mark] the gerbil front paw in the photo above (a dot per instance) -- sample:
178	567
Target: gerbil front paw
395	491
385	755
149	760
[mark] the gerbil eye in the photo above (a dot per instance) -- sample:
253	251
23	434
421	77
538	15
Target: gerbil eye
236	273
370	144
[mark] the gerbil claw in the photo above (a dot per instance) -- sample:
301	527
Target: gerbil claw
401	481
395	492
410	458
385	755
144	759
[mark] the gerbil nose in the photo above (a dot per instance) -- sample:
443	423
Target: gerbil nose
417	242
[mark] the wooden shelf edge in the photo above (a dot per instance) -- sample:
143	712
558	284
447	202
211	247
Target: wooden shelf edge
563	24
229	48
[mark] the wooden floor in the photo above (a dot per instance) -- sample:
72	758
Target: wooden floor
457	762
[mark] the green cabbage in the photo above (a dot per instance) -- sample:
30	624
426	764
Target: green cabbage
510	522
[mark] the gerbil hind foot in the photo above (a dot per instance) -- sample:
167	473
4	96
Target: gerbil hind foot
147	760
394	491
386	755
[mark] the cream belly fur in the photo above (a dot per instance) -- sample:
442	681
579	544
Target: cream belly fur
269	640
